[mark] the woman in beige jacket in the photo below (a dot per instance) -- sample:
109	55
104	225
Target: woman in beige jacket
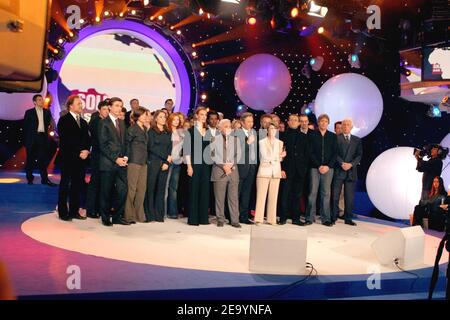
269	175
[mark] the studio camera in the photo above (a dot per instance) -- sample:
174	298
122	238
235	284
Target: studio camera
426	151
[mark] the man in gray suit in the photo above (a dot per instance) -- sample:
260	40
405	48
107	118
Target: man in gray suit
348	157
225	153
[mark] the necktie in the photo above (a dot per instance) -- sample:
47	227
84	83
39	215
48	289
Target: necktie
347	138
118	129
78	121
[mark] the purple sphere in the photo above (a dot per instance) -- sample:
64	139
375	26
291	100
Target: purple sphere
262	82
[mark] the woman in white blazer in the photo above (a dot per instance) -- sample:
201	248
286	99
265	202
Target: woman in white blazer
269	174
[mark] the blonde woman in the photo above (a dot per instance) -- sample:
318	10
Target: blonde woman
269	175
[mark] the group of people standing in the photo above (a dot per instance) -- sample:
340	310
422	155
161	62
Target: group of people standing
143	163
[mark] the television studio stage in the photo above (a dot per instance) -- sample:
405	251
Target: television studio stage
173	260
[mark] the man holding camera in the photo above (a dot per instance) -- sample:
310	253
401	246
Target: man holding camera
431	168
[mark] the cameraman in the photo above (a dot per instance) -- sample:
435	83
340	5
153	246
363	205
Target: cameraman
431	168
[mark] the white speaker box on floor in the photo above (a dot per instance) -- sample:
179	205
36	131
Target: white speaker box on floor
275	250
405	244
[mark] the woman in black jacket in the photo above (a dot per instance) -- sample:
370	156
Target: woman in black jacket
136	151
159	159
430	207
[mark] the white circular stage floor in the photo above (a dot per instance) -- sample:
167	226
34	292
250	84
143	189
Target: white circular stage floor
340	250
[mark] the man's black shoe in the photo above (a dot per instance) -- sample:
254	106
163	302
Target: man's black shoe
78	217
65	218
298	223
219	223
350	223
93	215
49	183
327	224
236	225
308	223
107	223
30	183
122	222
282	222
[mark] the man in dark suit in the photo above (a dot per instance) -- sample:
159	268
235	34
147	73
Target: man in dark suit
37	121
294	168
93	191
113	165
74	146
349	154
247	165
134	104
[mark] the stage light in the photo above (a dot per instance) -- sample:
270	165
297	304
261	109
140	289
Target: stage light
193	45
60	41
204	96
435	112
178	32
307	111
202	63
316	63
294	12
200	11
172	27
202	74
194	54
152	18
81	21
320	30
208	15
55	51
106	13
97	19
353	60
71	34
47	61
121	14
160	18
146	2
47	101
52	133
251	21
304	28
316	10
133	12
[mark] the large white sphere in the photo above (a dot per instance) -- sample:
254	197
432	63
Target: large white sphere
351	95
393	184
446	167
14	105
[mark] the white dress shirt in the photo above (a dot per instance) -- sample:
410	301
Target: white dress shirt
40	116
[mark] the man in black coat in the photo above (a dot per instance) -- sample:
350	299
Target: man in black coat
134	104
431	169
349	154
323	151
74	146
37	121
294	167
93	191
113	165
247	165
